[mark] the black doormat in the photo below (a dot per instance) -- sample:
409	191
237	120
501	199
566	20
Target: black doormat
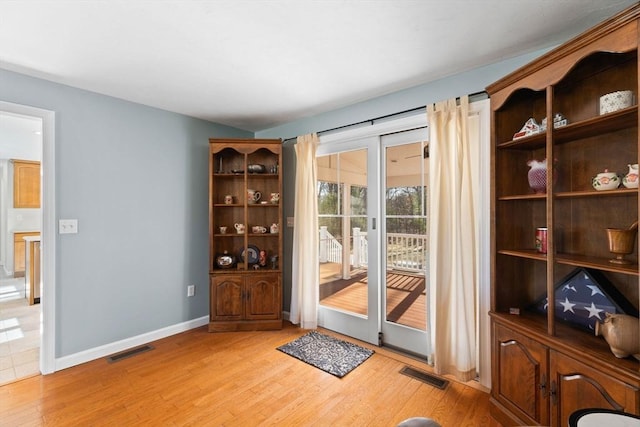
330	354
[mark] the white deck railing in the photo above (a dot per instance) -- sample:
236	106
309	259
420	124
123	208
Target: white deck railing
406	252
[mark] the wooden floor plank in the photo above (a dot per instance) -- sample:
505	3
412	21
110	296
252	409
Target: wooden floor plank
352	297
236	379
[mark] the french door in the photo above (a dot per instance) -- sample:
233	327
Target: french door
404	242
348	254
373	243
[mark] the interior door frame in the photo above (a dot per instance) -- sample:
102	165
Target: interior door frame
48	231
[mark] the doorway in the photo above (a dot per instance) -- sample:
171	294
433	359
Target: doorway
405	244
373	246
20	329
348	251
20	219
394	140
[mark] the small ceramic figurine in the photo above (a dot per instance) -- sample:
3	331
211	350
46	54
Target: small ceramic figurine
558	121
262	260
529	128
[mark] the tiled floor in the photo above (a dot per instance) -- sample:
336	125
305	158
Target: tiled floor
19	332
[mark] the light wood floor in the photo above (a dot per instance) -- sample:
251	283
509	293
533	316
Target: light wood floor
405	298
236	379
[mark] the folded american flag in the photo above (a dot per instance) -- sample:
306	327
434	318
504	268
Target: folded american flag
584	296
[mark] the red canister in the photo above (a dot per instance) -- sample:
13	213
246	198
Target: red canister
541	240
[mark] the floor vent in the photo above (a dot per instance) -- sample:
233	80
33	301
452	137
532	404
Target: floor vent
129	353
425	377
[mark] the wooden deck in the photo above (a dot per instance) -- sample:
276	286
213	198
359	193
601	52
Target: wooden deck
406	299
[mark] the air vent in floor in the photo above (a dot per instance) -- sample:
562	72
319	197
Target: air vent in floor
129	353
425	377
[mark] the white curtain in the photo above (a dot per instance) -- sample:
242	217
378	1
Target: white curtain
305	275
452	231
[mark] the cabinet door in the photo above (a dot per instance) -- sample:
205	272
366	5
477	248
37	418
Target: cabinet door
226	297
26	184
520	380
576	386
263	297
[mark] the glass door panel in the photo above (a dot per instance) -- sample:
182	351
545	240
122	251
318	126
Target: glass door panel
342	199
404	243
344	218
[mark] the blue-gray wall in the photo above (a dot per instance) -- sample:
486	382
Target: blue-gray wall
135	177
450	87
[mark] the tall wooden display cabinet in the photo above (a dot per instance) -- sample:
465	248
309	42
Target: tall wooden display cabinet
545	367
245	234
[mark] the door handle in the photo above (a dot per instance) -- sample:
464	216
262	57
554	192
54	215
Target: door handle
373	223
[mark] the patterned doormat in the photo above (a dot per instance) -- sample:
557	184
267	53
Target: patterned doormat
330	354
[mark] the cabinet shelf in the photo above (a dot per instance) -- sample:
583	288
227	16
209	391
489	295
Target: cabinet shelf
575	260
524	197
524	253
621	119
573	194
596	263
611	122
242	175
594	193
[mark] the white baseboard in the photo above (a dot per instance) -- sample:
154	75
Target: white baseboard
118	346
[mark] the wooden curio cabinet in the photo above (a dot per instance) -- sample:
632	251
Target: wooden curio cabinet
543	368
245	234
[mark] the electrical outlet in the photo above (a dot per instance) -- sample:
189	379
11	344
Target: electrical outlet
68	226
191	290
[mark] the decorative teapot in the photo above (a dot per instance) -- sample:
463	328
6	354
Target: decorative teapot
274	228
605	181
239	228
630	180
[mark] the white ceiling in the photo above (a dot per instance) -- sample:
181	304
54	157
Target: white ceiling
254	64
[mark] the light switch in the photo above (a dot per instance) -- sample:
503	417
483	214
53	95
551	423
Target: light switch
290	221
68	226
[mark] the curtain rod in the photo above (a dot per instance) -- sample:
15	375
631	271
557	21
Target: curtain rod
476	95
